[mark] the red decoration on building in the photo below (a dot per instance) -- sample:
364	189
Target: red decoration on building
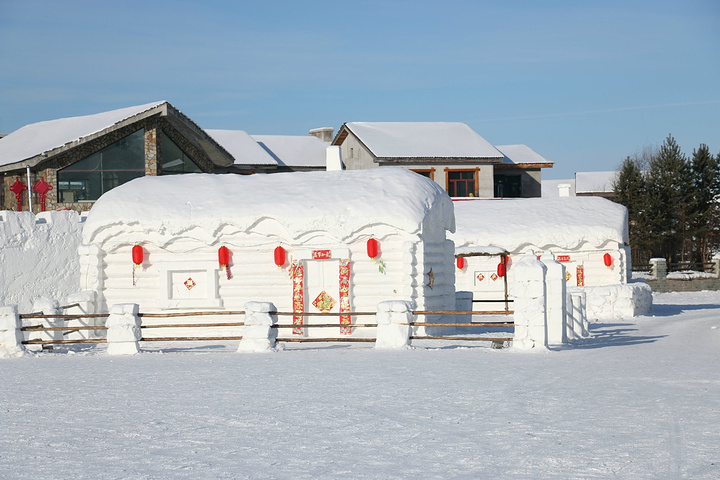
137	255
18	188
563	258
502	266
137	258
460	262
373	248
279	256
42	187
321	254
224	260
607	259
223	257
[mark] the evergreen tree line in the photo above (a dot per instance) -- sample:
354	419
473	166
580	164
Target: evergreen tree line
673	203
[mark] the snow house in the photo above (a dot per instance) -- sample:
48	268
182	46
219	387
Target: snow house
335	241
589	235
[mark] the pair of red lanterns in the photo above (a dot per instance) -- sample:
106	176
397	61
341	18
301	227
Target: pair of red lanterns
501	268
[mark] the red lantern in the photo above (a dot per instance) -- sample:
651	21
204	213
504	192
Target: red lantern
223	257
502	266
42	187
372	248
18	188
460	262
607	259
137	255
279	256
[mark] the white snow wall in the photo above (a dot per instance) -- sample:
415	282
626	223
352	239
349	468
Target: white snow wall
38	256
410	267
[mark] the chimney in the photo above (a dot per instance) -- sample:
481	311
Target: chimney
333	160
564	190
323	133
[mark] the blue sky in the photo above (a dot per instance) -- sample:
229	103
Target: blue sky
582	83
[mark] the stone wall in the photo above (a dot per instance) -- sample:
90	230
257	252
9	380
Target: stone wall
660	281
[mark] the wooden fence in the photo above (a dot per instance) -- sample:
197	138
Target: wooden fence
280	326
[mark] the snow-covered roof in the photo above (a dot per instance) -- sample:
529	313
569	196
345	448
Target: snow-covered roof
594	182
294	150
341	203
566	223
423	140
521	154
244	149
42	137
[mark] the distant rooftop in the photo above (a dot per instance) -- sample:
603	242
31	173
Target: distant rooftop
521	154
294	150
421	140
594	182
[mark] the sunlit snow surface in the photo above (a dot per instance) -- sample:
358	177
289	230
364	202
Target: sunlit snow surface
639	399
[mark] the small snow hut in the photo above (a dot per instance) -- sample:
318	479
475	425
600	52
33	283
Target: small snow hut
589	235
337	241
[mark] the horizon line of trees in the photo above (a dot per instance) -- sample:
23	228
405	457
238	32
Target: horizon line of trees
673	203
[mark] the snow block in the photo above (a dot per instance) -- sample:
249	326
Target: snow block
393	319
530	304
258	332
123	329
555	287
10	334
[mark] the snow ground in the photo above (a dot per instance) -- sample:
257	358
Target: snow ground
639	399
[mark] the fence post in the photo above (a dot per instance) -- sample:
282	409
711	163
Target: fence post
716	264
45	306
393	319
658	269
555	287
258	332
11	336
85	304
529	303
123	329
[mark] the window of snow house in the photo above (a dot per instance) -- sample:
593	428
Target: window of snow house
461	183
508	186
174	160
104	170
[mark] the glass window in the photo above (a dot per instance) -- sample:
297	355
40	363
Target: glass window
425	172
461	183
174	160
508	186
104	170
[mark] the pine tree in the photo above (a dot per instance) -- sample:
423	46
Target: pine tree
630	190
668	191
706	188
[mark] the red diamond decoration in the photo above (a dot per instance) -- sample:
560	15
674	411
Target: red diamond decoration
494	276
480	277
190	283
324	302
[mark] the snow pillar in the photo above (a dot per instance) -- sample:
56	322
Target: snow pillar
579	314
45	306
529	303
82	303
123	329
555	288
11	336
570	333
258	333
393	319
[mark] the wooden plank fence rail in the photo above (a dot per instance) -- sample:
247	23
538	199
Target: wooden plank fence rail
37	341
457	312
465	339
183	325
41	328
64	316
337	339
188	314
187	339
474	324
324	325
